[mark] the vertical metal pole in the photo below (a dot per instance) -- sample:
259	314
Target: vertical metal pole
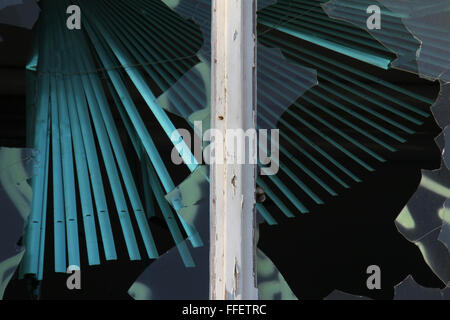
232	258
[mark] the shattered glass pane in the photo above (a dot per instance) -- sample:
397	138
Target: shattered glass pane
339	295
342	123
7	3
180	282
19	13
444	214
271	283
424	220
410	290
16	170
416	31
192	197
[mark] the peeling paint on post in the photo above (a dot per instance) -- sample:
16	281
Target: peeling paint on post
232	258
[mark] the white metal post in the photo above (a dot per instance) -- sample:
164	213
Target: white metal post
232	259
